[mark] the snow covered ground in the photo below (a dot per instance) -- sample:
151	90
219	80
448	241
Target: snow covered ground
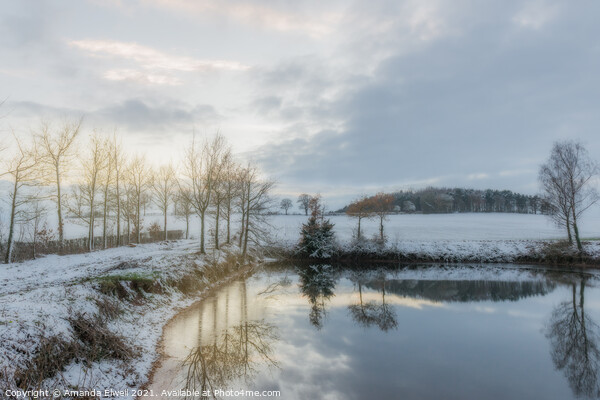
430	227
444	227
37	297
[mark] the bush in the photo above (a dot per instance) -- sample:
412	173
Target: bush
98	341
155	231
52	355
123	286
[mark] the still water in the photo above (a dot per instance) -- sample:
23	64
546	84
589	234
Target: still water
418	332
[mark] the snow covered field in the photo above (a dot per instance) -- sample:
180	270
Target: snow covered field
447	227
402	227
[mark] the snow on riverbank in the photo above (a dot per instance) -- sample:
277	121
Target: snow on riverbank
37	298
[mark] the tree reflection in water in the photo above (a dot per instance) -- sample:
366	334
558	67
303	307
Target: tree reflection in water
574	339
233	355
371	313
317	283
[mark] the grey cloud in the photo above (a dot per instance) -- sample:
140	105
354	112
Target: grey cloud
490	99
267	105
24	24
143	116
134	115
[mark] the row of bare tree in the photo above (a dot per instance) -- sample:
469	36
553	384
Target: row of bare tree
100	186
377	206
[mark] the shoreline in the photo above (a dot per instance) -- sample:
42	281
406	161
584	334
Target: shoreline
538	252
246	271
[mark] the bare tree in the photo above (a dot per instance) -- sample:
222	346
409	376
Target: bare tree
85	193
163	186
304	202
119	163
139	176
382	205
128	202
184	208
255	194
566	178
360	209
285	204
229	188
107	181
37	215
200	169
56	151
21	168
221	188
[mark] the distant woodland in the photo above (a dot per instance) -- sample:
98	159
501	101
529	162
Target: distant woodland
433	200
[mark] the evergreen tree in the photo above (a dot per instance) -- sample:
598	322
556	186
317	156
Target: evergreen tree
317	236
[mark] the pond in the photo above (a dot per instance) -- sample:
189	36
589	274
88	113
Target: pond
401	332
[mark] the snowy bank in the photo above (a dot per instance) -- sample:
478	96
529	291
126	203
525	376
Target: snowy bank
461	251
49	306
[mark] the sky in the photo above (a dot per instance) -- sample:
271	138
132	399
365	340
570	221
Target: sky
339	97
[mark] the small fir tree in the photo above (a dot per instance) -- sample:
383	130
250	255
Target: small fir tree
317	236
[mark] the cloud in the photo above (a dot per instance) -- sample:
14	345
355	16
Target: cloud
268	104
140	77
150	66
536	14
264	15
134	115
142	116
477	176
24	24
452	106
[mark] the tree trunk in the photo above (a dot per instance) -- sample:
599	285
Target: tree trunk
11	228
59	209
245	250
576	231
381	227
128	229
569	229
187	226
202	233
358	234
34	242
217	226
166	232
577	239
118	212
104	219
242	227
91	226
228	218
139	221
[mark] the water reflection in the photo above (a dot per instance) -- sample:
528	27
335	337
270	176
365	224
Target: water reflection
235	355
465	290
324	332
574	338
370	313
317	283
